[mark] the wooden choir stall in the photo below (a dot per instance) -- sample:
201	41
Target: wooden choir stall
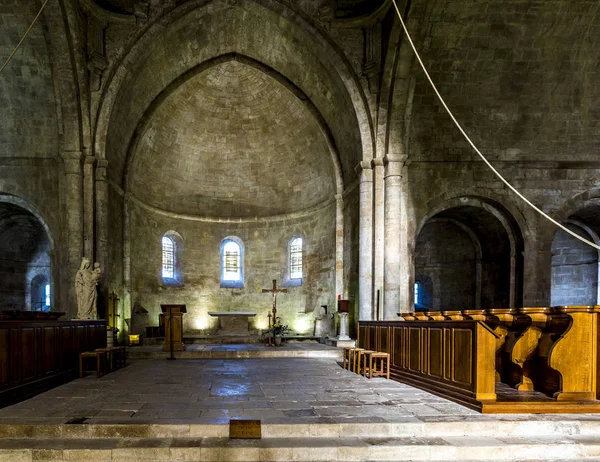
524	360
38	352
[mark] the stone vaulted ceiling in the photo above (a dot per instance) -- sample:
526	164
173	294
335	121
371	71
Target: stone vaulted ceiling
232	142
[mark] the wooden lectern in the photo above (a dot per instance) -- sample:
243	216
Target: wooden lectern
173	317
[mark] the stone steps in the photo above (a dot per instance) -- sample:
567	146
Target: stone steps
475	438
472	426
574	447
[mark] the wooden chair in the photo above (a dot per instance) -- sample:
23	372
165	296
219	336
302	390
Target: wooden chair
102	363
384	365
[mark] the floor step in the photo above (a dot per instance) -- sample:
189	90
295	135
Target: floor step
303	449
478	426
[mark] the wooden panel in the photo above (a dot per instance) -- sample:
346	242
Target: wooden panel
4	356
439	356
38	354
448	354
436	352
397	359
463	355
414	348
384	339
371	343
48	350
28	355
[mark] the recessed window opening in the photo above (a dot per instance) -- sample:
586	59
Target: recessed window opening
296	258
231	261
168	258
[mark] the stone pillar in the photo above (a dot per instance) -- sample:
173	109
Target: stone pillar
407	245
393	208
378	233
339	246
88	207
365	263
73	203
101	234
127	308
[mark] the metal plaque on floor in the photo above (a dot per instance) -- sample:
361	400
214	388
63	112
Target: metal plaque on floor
245	429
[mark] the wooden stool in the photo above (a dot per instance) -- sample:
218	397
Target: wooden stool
362	360
383	359
120	356
346	357
352	358
101	362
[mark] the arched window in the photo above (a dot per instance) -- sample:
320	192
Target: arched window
232	258
47	293
418	294
172	258
296	258
168	258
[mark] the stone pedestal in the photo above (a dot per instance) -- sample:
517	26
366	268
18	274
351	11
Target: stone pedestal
343	335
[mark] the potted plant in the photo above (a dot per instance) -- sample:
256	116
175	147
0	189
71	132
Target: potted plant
279	330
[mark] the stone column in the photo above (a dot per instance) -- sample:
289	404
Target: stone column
393	208
378	234
88	207
126	298
365	232
101	234
73	203
339	246
407	245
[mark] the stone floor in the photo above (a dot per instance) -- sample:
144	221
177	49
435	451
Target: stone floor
234	351
213	391
311	409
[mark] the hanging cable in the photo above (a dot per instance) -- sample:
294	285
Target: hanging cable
458	125
24	37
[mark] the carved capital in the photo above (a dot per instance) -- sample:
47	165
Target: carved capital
377	162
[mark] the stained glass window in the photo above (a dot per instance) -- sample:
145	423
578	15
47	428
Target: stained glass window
232	268
168	258
296	258
417	293
47	294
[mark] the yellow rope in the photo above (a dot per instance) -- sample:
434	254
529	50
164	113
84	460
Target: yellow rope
511	187
23	39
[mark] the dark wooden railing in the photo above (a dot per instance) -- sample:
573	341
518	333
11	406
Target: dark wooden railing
37	355
454	359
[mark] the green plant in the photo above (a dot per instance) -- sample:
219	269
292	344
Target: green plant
279	328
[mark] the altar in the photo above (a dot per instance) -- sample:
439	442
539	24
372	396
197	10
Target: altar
233	322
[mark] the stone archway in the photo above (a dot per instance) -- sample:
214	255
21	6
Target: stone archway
471	250
26	249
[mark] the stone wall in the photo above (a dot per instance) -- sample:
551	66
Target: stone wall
445	256
28	152
265	250
574	270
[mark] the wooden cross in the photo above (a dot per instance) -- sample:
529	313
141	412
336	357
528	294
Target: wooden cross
274	291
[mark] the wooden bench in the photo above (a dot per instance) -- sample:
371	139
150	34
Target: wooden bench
102	361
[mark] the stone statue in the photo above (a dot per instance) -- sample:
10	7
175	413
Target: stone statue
86	281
